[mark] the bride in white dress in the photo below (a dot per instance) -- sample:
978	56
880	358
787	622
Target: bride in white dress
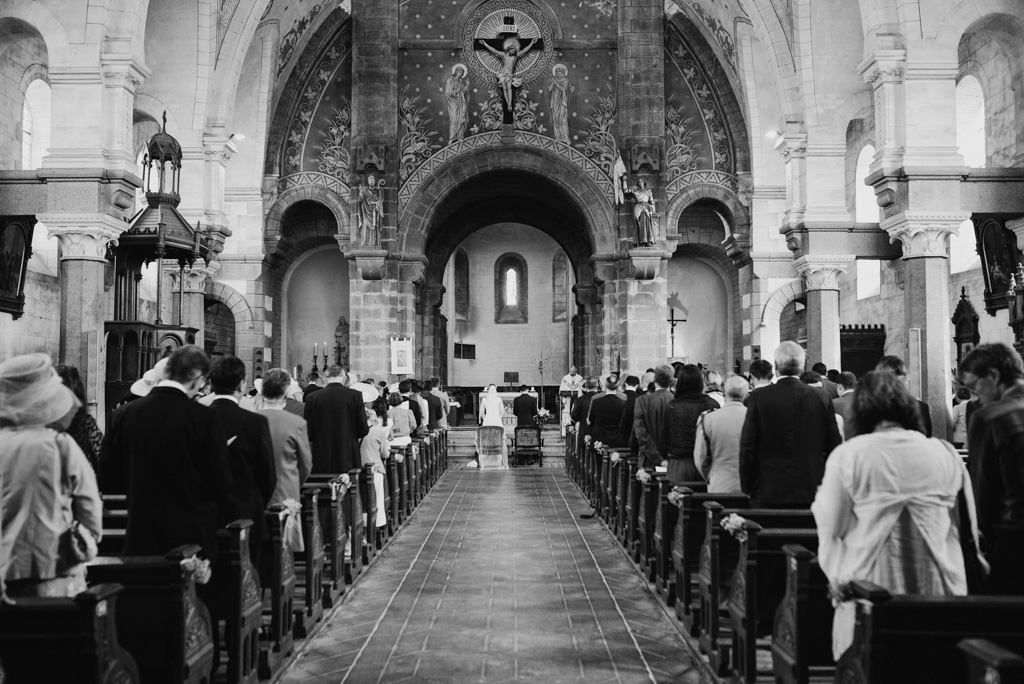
491	410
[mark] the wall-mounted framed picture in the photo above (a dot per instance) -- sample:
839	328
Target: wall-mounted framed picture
15	251
997	247
401	356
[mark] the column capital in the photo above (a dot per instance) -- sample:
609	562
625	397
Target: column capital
123	71
821	271
648	262
195	276
371	264
83	237
1017	227
923	233
792	145
885	65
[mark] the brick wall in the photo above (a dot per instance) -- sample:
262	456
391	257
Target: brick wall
219	328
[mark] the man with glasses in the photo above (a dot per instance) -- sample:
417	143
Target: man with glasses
995	440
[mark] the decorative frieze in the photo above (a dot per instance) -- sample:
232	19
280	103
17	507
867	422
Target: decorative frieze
923	234
821	271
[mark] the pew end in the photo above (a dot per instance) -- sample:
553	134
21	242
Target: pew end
988	662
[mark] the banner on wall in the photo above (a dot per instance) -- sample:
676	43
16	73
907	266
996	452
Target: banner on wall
401	355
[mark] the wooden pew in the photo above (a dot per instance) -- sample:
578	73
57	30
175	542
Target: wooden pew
369	497
420	456
331	499
611	509
665	522
758	587
686	549
159	618
718	559
234	595
276	640
395	472
404	491
410	477
604	463
353	505
622	496
65	640
633	491
990	663
309	567
802	633
647	509
115	524
914	638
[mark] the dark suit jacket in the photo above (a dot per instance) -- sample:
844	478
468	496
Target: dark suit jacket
435	410
830	387
605	418
524	407
626	424
926	417
308	390
251	457
578	415
173	455
844	407
337	422
649	426
789	431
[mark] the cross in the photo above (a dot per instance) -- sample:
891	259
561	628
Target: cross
672	320
500	46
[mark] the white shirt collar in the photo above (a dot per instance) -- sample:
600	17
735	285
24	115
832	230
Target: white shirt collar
175	385
230	397
335	381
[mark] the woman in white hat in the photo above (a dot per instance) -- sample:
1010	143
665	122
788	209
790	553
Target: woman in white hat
47	484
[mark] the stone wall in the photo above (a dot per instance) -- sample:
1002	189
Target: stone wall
22	55
983	58
219	328
38	329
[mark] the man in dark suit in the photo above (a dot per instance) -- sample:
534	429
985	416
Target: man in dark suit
895	365
173	454
313	386
435	409
406	390
826	384
250	449
846	382
789	431
580	409
337	422
649	418
606	415
631	390
524	407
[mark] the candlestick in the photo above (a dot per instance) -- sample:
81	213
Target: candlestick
314	350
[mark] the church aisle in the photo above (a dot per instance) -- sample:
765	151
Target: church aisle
496	579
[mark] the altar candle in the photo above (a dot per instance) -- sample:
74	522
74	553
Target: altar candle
325	348
314	350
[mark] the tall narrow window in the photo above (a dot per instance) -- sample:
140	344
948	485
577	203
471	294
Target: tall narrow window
510	290
461	285
35	124
970	138
559	288
869	271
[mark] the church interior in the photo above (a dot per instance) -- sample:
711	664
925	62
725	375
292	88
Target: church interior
633	182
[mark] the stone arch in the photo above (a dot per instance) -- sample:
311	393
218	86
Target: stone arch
34	72
771	315
58	49
735	214
426	206
335	203
779	58
964	16
228	68
236	302
715	256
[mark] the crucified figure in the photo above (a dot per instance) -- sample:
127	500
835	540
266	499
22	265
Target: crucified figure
509	55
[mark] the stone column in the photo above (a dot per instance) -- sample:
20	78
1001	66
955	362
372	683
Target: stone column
382	305
883	71
193	312
643	341
217	152
428	315
588	301
821	282
793	148
926	285
83	260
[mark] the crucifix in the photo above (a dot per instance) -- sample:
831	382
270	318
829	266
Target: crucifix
508	48
672	320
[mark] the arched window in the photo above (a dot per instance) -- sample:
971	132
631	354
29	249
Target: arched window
461	285
559	288
35	124
510	293
970	138
869	271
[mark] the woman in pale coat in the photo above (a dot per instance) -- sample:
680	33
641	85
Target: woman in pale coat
886	508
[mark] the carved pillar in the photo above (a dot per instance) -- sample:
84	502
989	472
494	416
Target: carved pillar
217	152
121	77
430	338
926	284
193	312
375	105
884	71
588	300
793	148
83	259
643	340
821	282
382	305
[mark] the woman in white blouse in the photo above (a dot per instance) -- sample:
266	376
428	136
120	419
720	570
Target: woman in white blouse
886	508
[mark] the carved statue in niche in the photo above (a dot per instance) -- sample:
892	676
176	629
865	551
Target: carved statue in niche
370	211
341	340
560	87
456	91
511	52
643	212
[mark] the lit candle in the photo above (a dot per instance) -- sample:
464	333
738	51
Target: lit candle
314	350
325	348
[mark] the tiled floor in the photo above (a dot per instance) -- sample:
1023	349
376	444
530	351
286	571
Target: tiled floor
495	578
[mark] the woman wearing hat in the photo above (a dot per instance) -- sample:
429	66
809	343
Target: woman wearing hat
48	483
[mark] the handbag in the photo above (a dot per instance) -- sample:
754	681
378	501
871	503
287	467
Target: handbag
76	544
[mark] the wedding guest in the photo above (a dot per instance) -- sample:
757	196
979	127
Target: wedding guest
336	424
681	416
716	448
400	417
293	459
373	451
713	386
83	428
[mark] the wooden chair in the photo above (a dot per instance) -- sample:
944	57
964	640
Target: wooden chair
527	445
490	445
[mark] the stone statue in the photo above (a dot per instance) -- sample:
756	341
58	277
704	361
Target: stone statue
560	89
341	341
643	213
456	90
370	211
509	55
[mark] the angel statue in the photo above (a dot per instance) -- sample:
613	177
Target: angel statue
370	211
509	55
643	212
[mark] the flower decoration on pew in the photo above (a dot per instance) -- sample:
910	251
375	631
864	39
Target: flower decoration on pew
196	569
346	480
616	457
643	476
733	524
598	446
543	413
399	457
675	497
291	506
292	525
586	439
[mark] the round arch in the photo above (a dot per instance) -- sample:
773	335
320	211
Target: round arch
735	214
236	303
770	333
436	200
41	20
335	203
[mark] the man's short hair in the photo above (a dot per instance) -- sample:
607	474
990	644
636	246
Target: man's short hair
405	386
893	364
437	381
735	387
761	369
428	385
335	371
611	382
631	381
226	374
522	388
314	376
416	386
275	383
369	381
811	378
820	368
983	358
847	379
832	374
790	358
592	383
186	362
664	375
